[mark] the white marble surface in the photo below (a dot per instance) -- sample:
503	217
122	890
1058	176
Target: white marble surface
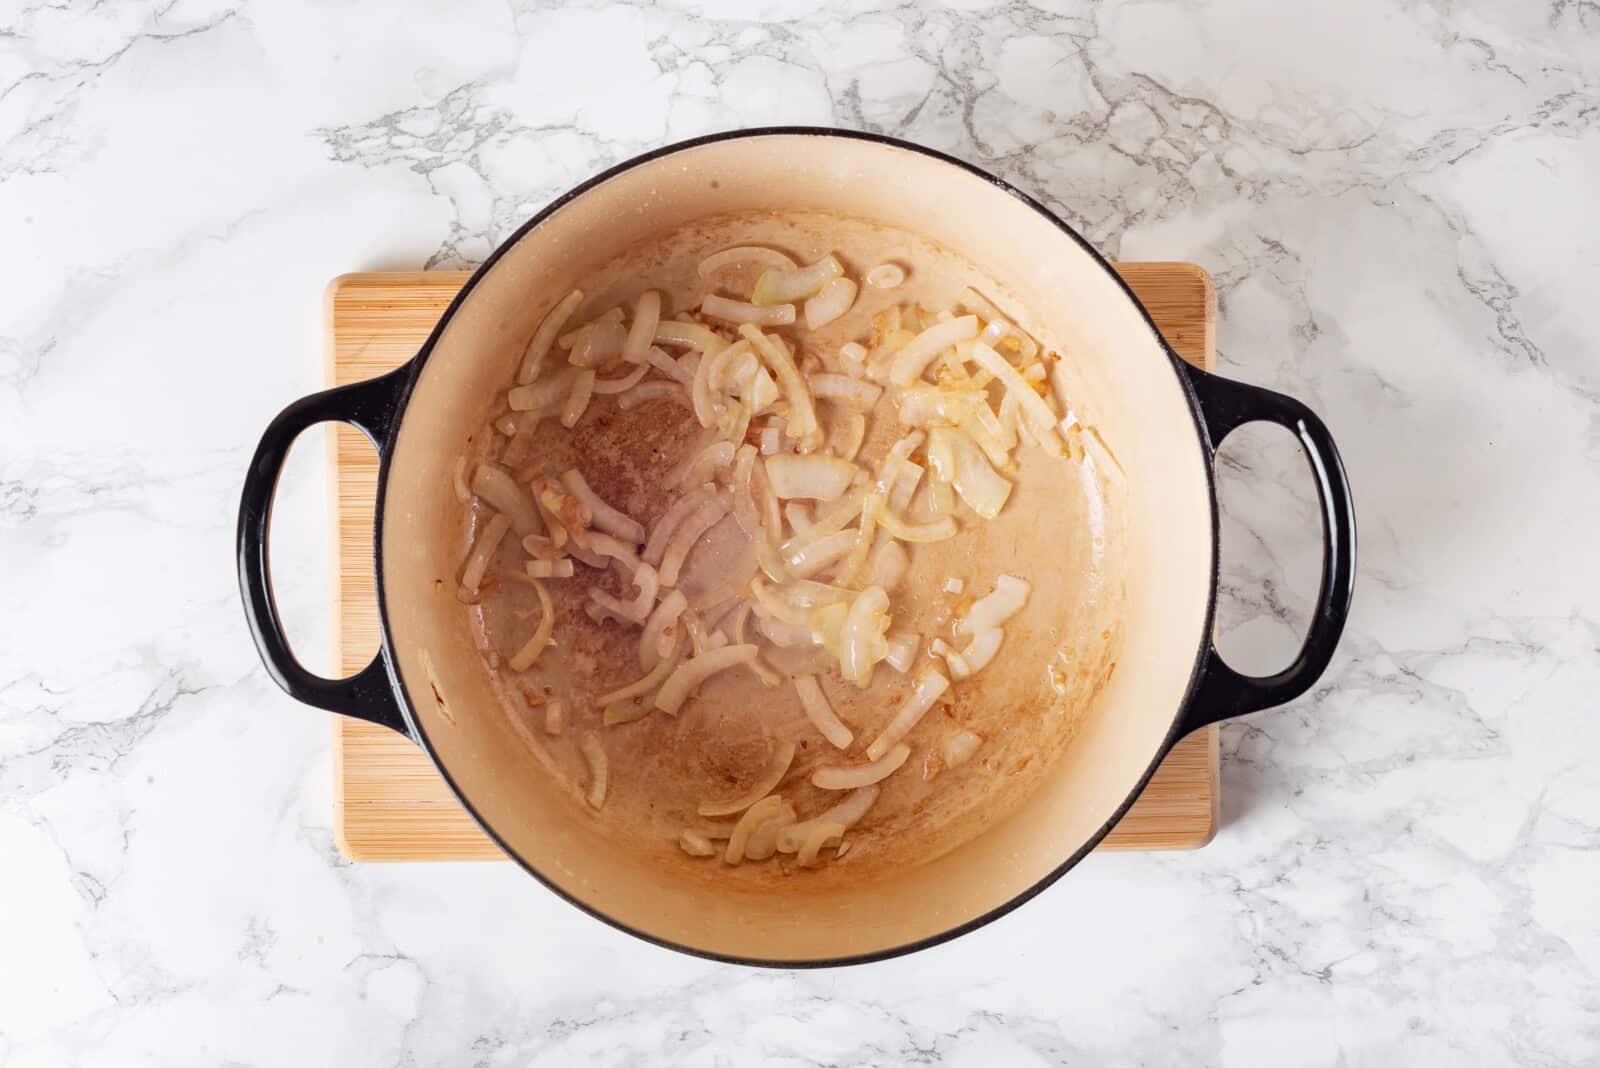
1397	198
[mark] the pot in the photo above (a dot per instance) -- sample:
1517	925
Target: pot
1165	417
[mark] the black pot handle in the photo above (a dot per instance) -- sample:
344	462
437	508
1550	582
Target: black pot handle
1222	692
369	407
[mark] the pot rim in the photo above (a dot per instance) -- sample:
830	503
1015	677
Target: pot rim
386	452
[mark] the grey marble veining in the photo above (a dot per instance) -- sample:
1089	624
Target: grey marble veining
1397	199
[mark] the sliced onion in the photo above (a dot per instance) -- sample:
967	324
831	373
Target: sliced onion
818	835
1009	596
938	530
861	640
847	812
814	476
830	303
744	504
716	457
668	366
555	717
859	775
546	393
506	426
902	649
704	518
693	335
848	434
763	787
886	276
638	610
594	754
764	839
562	507
801	424
670	520
798	515
850	570
549	327
707	405
924	405
905	485
976	656
771	512
737	311
887	565
571	337
845	390
660	630
959	668
758	814
911	361
642	686
542	569
788	285
507	497
458	480
958	460
606	386
740	254
577	401
525	657
692	672
821	713
835	517
645	392
696	845
786	635
931	685
954	585
642	331
1040	418
478	560
598	344
601	514
813	557
853	358
889	467
769	440
999	323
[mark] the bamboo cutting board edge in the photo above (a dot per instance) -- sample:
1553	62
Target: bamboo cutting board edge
391	805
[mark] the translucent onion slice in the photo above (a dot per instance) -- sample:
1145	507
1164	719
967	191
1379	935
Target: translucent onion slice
959	669
938	530
668	366
764	786
577	401
594	754
671	519
853	358
601	514
695	844
543	569
849	571
1039	415
525	657
533	356
817	836
812	558
478	560
886	276
704	466
570	338
607	386
1000	323
847	434
821	713
845	390
555	717
704	518
976	656
902	649
645	392
692	672
930	686
801	424
798	515
1009	596
693	335
546	393
771	511
834	518
758	814
887	565
642	686
954	585
660	630
861	639
458	479
506	496
769	440
958	460
905	485
598	343
813	476
764	839
737	311
744	503
770	258
847	812
787	285
911	361
708	406
924	405
858	775
642	331
830	303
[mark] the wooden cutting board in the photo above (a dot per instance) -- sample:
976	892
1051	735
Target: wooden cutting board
389	804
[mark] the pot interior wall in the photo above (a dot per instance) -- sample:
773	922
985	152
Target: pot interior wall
1127	387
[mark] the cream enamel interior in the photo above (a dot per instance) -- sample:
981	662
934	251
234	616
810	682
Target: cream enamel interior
1126	383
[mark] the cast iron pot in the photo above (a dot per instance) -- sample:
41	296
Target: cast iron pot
1166	420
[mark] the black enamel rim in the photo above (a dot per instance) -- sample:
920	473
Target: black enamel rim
386	455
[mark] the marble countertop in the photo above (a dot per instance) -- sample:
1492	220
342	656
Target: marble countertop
1397	200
